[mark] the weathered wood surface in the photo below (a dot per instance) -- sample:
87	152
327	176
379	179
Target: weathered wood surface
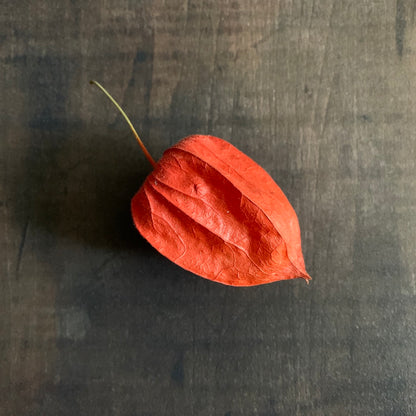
93	320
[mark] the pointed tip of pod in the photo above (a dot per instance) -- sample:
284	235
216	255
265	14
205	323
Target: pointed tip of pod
307	278
305	275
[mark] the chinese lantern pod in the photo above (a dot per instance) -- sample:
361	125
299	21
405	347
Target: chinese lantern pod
215	212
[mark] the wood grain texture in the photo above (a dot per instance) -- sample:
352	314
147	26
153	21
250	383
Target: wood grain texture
94	321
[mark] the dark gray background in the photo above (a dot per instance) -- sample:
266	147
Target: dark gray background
93	320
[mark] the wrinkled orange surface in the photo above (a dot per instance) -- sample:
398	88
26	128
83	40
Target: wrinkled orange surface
215	212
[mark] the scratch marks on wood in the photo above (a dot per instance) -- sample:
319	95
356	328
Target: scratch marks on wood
265	38
178	373
21	246
400	26
324	119
324	62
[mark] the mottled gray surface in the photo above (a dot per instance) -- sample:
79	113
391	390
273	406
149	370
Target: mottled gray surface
93	321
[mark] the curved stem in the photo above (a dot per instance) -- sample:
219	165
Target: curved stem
143	147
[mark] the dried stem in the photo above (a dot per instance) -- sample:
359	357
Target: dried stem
143	147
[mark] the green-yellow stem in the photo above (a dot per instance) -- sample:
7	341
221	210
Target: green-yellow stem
143	147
